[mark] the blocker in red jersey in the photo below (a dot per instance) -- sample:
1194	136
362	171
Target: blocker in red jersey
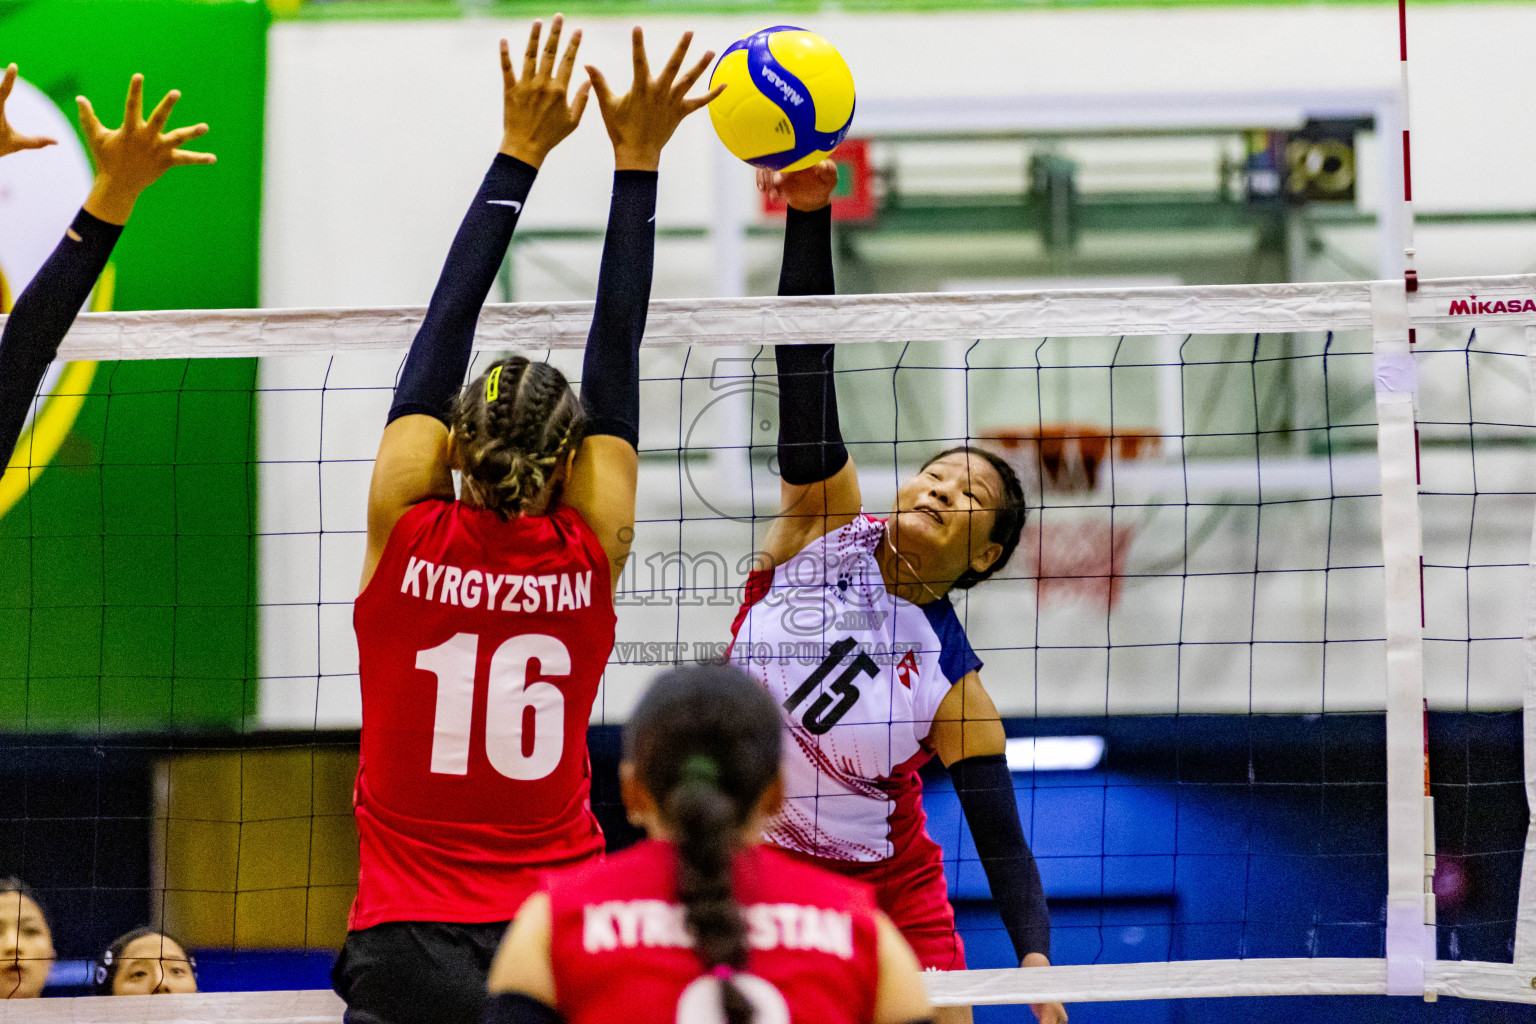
486	618
701	923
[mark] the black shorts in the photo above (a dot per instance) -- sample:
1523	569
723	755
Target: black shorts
416	972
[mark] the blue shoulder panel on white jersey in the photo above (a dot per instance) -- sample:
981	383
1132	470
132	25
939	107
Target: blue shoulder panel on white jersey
956	659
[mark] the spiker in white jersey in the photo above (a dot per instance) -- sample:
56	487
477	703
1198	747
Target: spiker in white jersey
860	675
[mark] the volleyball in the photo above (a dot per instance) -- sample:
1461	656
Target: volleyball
789	98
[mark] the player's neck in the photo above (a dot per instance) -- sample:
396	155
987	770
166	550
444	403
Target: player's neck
901	577
542	503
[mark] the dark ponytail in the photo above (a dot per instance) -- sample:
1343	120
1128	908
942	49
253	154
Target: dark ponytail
705	743
705	822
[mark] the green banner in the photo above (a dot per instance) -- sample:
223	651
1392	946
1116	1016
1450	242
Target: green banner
127	552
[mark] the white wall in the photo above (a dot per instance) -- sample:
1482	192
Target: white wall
379	132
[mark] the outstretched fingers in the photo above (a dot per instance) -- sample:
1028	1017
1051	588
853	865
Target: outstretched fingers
10	140
90	124
689	106
162	112
531	54
133	107
768	184
694	73
579	104
537	108
508	79
182	157
568	62
184	135
551	47
674	62
600	90
637	49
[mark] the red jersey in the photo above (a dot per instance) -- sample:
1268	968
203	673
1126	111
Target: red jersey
620	950
481	643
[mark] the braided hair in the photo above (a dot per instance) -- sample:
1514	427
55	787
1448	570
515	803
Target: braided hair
1007	518
513	425
705	743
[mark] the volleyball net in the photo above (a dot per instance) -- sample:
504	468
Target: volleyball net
1262	652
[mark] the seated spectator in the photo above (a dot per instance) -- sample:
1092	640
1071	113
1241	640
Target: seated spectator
26	942
145	962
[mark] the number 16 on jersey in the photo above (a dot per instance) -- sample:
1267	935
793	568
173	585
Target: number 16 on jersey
511	702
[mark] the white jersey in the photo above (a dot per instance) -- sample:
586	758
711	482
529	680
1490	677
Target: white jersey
859	675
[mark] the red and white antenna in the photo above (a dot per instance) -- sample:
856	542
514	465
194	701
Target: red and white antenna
1410	275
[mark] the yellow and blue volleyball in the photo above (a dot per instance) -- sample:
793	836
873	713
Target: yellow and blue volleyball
788	101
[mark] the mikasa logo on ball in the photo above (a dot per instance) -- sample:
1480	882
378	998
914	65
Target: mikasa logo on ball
784	87
790	98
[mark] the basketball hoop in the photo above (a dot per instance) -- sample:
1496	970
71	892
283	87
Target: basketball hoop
1077	553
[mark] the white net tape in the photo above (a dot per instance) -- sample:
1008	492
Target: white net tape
959	316
1410	966
1195	979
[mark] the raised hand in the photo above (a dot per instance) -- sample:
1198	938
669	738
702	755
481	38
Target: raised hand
1049	1013
806	190
641	121
132	157
12	141
535	112
1045	1013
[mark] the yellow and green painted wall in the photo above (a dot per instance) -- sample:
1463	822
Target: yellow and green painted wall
126	580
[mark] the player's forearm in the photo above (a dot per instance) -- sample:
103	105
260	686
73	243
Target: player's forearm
43	315
807	268
811	445
985	788
440	352
810	437
610	371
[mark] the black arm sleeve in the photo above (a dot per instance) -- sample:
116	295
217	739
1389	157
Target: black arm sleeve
434	370
42	317
810	440
516	1008
985	788
610	368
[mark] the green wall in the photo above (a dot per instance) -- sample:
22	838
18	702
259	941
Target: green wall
127	573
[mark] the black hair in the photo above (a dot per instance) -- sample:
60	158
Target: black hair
512	425
111	960
705	743
1007	516
16	885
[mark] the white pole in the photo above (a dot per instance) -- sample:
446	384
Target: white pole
1391	233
